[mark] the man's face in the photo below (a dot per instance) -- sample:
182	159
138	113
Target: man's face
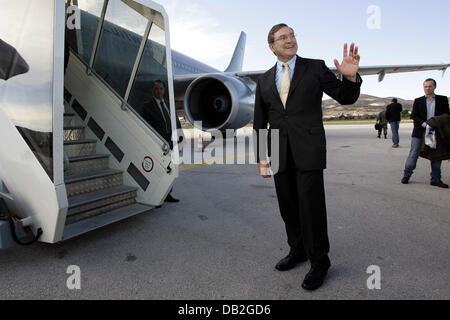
285	45
158	90
428	87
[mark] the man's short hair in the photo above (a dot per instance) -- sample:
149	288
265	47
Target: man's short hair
158	81
275	28
394	100
429	79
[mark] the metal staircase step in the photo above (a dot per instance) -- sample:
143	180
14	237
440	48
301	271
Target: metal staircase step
92	223
126	201
87	163
73	127
81	141
73	133
69	119
96	200
80	147
92	181
89	157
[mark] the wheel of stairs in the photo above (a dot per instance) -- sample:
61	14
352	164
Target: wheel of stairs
96	193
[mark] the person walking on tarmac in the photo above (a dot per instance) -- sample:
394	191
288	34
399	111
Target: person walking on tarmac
382	124
393	116
424	108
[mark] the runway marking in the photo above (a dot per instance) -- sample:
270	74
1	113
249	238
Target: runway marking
185	167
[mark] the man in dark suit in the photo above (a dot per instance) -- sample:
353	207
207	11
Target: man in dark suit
289	99
425	108
156	113
393	116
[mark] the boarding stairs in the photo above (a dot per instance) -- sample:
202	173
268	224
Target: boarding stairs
115	164
96	193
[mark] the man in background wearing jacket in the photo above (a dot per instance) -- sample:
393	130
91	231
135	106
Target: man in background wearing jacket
393	116
425	108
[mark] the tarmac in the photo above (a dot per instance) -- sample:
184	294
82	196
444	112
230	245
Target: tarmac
223	239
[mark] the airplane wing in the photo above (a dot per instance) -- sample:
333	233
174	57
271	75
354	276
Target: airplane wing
224	100
183	81
381	71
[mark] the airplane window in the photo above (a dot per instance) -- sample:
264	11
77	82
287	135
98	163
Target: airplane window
117	52
82	41
153	66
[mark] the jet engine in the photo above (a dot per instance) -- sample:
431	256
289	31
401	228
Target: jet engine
220	102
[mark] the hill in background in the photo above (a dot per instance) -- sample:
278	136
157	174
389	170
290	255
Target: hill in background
367	107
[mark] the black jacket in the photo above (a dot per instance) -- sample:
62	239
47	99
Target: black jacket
393	112
300	123
419	113
152	114
442	126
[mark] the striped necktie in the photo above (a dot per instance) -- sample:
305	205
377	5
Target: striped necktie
285	84
165	114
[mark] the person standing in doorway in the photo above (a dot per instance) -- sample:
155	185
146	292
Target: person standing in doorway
156	113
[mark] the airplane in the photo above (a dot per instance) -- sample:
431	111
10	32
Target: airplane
213	100
231	105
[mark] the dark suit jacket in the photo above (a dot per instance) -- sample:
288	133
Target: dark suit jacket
152	114
301	122
442	125
393	112
419	113
442	152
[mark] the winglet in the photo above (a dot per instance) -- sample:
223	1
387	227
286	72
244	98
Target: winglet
238	55
381	75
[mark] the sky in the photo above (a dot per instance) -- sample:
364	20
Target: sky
25	27
396	32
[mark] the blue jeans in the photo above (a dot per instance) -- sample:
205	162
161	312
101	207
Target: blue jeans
394	127
411	162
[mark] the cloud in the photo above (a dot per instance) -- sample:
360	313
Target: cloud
195	32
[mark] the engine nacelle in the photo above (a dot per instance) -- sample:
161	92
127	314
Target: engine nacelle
219	101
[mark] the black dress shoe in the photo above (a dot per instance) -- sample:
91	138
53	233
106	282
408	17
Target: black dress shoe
290	261
169	198
405	180
439	184
316	275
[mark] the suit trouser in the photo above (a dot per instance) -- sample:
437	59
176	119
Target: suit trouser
411	161
384	129
301	199
394	128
